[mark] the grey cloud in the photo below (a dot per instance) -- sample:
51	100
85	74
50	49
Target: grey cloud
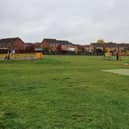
80	21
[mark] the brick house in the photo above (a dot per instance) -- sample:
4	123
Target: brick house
88	49
110	45
12	43
123	47
114	47
54	44
33	47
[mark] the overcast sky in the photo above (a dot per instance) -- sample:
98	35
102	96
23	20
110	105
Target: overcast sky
79	21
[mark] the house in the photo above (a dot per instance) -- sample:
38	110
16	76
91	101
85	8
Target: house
112	46
12	43
37	47
107	45
33	47
88	48
54	44
123	47
26	45
29	47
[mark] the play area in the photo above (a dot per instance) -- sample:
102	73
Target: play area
6	54
113	54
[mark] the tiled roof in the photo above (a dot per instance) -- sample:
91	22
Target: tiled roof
8	42
54	41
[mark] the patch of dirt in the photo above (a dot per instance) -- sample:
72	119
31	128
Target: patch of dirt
119	71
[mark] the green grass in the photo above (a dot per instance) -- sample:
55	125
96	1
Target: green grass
63	92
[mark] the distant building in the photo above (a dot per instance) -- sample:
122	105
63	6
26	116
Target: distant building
12	43
33	47
123	47
88	48
54	44
37	45
114	47
26	45
110	45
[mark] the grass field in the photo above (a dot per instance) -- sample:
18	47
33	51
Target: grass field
63	92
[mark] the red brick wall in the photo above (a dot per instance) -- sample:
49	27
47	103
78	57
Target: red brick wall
19	44
44	44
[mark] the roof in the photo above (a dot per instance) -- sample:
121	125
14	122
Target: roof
111	44
28	44
8	42
108	44
123	45
54	41
37	45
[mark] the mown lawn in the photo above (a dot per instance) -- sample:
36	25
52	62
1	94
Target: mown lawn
63	92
